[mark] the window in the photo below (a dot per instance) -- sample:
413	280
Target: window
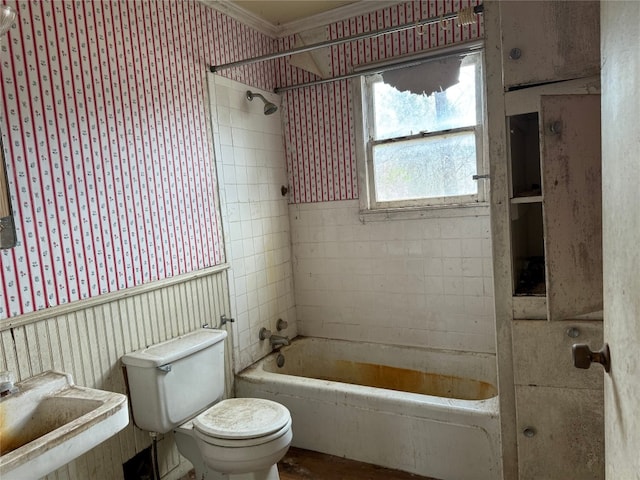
424	149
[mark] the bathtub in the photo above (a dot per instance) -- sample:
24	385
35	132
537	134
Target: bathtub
428	412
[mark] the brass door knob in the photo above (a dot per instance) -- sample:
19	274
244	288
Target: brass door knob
583	357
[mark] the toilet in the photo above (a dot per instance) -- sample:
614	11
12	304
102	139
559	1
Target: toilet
178	385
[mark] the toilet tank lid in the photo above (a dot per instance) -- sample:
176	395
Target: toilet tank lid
174	348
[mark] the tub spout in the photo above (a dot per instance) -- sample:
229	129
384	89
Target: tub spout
278	341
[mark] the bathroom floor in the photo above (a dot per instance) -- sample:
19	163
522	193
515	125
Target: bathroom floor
301	464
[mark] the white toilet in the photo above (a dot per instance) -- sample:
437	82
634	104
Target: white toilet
177	385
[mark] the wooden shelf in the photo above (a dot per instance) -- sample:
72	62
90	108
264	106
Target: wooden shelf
534	199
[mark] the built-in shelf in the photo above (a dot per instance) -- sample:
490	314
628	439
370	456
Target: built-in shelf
533	199
527	235
555	165
527	247
524	147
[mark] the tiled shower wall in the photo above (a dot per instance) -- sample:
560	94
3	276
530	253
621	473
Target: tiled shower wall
424	281
251	168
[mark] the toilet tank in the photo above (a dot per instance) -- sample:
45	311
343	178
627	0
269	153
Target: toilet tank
172	381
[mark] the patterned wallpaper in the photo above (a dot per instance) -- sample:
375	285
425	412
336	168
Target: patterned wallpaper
319	120
105	128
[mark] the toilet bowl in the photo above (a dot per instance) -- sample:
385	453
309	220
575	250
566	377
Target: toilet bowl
236	439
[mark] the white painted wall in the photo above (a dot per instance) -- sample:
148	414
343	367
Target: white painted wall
251	167
620	55
422	281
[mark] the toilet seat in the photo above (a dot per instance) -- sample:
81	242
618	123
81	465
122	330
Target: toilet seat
242	422
243	443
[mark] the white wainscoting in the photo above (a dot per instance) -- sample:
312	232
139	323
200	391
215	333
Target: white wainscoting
87	339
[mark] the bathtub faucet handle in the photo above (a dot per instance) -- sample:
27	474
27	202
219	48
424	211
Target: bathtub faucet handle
264	334
281	324
7	386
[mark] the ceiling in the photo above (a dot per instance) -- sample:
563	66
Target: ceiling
279	13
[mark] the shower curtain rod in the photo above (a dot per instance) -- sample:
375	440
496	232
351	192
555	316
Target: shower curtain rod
466	16
444	52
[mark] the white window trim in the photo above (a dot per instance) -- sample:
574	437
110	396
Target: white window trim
437	207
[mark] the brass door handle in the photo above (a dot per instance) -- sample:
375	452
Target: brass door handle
583	357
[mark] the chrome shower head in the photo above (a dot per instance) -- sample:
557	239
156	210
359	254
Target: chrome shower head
269	107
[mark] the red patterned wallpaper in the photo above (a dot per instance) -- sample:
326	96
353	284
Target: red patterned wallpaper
320	135
105	127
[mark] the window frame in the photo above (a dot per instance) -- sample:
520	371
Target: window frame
365	143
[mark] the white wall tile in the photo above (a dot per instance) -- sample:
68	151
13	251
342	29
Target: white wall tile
452	248
472	267
433	267
452	266
453	285
472	247
412	282
473	286
255	216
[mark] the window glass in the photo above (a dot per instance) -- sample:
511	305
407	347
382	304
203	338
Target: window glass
398	114
436	167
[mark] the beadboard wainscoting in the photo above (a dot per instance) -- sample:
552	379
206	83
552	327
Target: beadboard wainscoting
87	339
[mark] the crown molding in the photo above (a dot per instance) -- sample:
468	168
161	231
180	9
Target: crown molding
243	16
319	20
335	15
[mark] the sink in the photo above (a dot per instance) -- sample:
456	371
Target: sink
49	421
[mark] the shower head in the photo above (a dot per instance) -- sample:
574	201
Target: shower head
269	107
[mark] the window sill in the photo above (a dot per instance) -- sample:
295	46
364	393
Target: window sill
475	209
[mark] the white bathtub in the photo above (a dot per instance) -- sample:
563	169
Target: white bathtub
427	433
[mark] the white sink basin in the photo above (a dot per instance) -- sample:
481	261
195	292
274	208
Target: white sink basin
50	421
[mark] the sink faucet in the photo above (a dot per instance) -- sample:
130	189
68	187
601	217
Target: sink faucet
7	386
278	341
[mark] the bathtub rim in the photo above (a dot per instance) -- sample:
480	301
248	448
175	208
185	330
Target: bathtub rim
257	374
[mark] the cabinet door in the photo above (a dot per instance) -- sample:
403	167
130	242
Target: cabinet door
572	203
542	353
546	41
560	433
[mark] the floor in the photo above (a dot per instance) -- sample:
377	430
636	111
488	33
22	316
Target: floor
301	464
